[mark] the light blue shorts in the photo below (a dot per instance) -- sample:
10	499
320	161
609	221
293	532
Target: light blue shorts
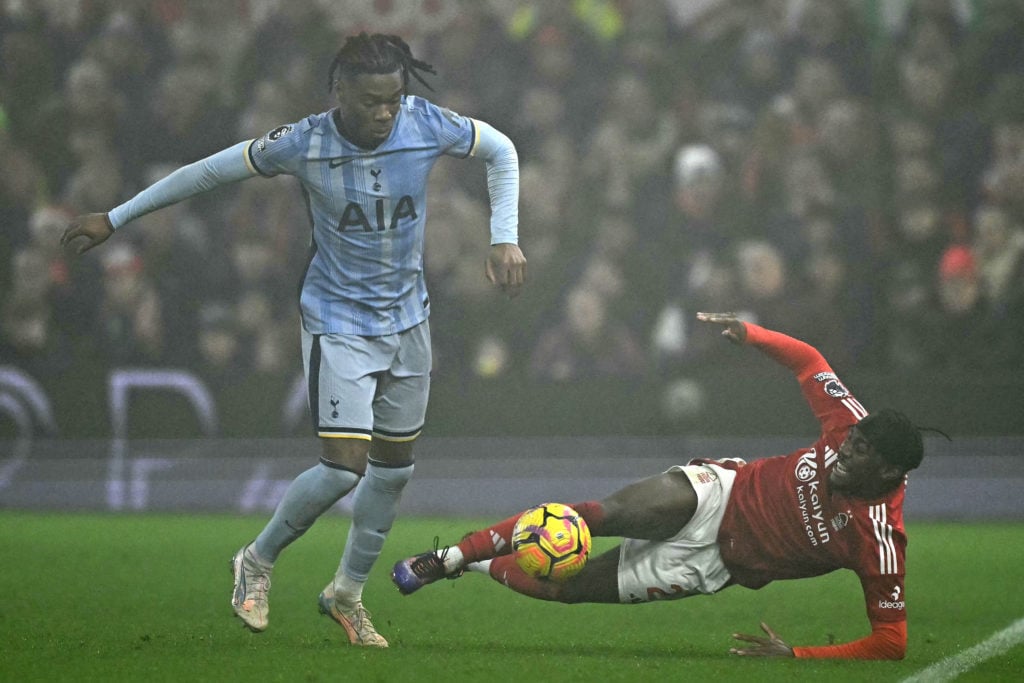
368	387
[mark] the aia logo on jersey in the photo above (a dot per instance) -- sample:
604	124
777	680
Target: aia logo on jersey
806	467
376	220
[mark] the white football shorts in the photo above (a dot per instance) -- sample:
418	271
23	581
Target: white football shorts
363	387
689	563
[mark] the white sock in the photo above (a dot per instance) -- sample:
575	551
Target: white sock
254	557
347	590
453	560
308	496
374	508
483	566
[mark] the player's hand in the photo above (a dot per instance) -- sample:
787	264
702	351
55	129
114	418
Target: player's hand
94	227
772	646
506	267
735	331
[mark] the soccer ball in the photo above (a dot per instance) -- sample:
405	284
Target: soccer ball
551	541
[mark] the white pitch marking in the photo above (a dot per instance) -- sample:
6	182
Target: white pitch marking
954	665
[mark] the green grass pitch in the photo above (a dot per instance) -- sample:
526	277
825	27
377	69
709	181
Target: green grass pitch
146	598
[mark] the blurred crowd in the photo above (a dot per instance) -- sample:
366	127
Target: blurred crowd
849	171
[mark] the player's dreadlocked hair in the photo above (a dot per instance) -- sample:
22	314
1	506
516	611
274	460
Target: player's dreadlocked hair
895	437
376	54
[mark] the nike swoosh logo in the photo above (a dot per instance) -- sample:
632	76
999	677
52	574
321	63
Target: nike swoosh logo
335	162
340	161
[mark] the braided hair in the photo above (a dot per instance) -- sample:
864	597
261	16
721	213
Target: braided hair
376	54
896	438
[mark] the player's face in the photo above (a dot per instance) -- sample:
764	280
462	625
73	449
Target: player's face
859	469
368	105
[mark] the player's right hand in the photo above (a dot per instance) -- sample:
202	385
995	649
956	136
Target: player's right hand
735	331
94	227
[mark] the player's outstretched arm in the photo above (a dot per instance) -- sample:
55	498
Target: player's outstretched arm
506	268
227	166
887	641
800	357
94	227
772	646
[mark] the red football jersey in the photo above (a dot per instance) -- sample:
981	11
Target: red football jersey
783	522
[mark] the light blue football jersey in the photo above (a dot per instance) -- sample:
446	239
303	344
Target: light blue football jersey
369	209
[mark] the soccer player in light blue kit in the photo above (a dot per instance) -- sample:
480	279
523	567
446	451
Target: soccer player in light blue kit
363	169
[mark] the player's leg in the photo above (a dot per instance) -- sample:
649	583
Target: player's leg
652	509
412	573
679	512
339	397
374	509
399	410
307	497
341	599
314	491
596	582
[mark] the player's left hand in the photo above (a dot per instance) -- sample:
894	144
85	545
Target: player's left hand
506	267
772	646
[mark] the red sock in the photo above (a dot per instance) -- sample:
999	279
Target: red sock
491	542
505	570
496	540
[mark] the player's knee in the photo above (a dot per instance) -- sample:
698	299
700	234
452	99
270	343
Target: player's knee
349	454
391	453
385	477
